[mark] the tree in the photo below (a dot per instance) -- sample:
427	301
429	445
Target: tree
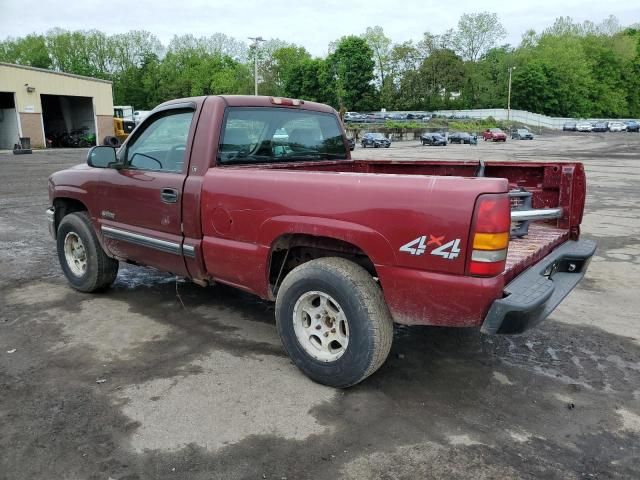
477	33
30	50
278	60
380	45
351	66
443	73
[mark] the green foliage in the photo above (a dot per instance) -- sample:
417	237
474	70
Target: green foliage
351	72
569	69
30	50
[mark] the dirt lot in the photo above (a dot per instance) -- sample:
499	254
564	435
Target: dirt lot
205	391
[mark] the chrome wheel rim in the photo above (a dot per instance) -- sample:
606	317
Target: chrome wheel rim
321	326
75	254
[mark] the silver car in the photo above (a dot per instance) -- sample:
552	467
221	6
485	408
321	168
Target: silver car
617	127
584	127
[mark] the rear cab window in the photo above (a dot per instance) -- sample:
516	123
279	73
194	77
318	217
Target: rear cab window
276	135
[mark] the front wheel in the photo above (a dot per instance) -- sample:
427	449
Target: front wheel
83	261
333	321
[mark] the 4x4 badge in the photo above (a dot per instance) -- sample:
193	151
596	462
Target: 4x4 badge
418	246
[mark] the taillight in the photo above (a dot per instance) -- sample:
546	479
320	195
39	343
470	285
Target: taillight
489	235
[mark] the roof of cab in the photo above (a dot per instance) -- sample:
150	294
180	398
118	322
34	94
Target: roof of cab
250	101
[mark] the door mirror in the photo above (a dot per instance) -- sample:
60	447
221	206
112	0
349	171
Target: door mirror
101	156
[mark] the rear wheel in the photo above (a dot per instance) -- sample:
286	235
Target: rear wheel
333	321
83	261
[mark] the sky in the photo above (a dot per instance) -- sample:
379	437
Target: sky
312	24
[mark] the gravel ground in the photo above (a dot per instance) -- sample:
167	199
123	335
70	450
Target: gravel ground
131	384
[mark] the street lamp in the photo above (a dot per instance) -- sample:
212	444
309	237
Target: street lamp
509	95
256	42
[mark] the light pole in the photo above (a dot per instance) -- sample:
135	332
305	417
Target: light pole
509	95
256	42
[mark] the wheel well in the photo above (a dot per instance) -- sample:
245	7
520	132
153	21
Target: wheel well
289	251
65	206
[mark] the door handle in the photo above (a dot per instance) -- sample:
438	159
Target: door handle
169	195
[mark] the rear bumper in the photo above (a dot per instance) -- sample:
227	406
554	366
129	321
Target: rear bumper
534	294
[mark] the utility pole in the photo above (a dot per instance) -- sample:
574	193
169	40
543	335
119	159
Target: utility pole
509	95
256	42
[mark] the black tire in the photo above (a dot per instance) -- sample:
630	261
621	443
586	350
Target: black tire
101	270
112	141
370	327
387	146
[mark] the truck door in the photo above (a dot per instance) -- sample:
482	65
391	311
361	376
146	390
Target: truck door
140	212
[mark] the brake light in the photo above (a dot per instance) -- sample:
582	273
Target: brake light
289	102
490	235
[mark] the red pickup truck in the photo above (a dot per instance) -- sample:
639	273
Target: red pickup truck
494	134
261	193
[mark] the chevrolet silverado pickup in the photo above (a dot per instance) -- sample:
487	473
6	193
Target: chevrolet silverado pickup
261	193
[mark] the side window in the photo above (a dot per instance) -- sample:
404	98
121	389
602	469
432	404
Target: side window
162	145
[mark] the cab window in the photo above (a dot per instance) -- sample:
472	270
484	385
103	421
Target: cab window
161	146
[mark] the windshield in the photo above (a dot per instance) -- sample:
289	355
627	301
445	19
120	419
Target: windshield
495	130
377	136
123	112
269	135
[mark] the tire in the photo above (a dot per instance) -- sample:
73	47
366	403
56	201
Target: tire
387	146
99	270
111	141
358	298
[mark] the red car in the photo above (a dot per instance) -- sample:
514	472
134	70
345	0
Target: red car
206	188
494	134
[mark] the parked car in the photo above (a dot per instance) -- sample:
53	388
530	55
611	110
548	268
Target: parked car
375	140
344	247
617	127
460	137
632	126
494	134
353	117
600	127
521	134
569	127
352	143
433	139
584	127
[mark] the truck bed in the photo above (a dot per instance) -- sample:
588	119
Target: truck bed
552	185
524	252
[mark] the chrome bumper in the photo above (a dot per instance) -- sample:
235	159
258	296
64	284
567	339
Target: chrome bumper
51	221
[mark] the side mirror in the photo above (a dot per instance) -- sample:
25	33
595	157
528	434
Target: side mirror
101	156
